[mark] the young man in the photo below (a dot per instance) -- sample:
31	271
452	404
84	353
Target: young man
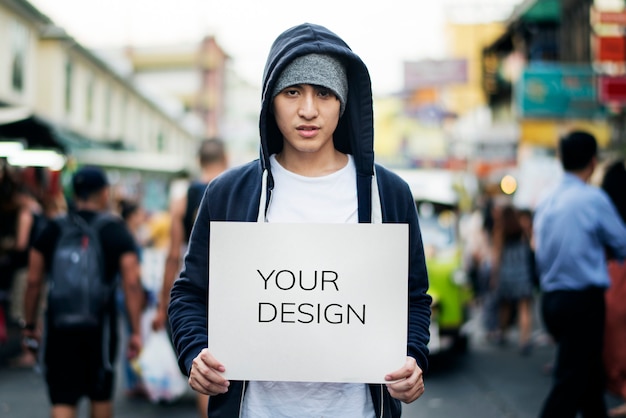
213	161
316	166
80	362
575	228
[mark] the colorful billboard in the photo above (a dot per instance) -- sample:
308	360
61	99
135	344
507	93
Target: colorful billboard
557	91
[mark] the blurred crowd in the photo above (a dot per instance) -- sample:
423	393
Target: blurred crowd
501	264
32	199
499	249
29	198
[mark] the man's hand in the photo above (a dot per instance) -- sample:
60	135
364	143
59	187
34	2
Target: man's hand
31	338
205	375
135	345
160	317
408	382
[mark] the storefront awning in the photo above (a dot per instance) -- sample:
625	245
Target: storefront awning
33	131
132	160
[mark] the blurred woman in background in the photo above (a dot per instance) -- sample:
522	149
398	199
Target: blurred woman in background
511	276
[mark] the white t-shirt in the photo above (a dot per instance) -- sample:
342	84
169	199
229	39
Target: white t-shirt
326	199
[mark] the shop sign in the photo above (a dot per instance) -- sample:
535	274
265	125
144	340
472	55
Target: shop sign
557	91
610	48
546	132
434	73
612	89
608	18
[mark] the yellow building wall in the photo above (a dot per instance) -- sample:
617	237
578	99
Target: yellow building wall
467	41
398	136
546	133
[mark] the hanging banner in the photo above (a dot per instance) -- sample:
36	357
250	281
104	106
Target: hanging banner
610	48
558	91
612	89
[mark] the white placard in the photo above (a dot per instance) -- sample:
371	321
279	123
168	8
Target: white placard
308	302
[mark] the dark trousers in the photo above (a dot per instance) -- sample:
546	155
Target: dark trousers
575	319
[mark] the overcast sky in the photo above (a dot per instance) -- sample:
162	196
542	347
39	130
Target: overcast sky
384	33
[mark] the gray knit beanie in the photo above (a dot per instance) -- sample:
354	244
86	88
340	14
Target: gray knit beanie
318	69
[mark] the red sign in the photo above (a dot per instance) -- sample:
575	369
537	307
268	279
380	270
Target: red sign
612	89
610	48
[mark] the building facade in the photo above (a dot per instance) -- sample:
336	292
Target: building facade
57	95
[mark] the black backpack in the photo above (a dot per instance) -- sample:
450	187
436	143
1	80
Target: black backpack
78	294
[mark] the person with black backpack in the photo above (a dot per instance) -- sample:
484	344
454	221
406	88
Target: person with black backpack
81	255
213	161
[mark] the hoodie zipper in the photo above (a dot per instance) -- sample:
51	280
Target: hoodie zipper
382	402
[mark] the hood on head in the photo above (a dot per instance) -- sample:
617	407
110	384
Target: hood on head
355	131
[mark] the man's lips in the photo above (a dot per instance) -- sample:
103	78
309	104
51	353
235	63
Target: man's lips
307	131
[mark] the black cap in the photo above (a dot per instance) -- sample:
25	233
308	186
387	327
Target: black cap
88	180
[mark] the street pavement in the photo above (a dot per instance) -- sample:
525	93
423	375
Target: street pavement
23	395
23	392
488	382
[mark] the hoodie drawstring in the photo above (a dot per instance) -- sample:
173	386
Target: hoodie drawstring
262	209
377	212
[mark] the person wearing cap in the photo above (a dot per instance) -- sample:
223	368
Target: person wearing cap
316	165
80	362
575	229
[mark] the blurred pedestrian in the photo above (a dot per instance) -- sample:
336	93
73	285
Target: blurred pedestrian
44	211
477	256
614	184
526	219
134	216
490	302
78	361
316	165
525	216
511	276
573	227
16	222
213	161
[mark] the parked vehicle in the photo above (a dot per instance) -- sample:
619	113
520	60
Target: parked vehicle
438	195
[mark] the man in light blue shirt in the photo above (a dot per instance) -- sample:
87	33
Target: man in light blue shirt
576	229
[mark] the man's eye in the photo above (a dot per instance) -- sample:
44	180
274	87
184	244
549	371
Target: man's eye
325	93
290	92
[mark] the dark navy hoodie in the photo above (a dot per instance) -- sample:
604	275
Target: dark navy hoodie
244	193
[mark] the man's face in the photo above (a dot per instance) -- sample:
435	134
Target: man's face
307	117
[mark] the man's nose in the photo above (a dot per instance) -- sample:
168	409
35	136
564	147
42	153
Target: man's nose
308	106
